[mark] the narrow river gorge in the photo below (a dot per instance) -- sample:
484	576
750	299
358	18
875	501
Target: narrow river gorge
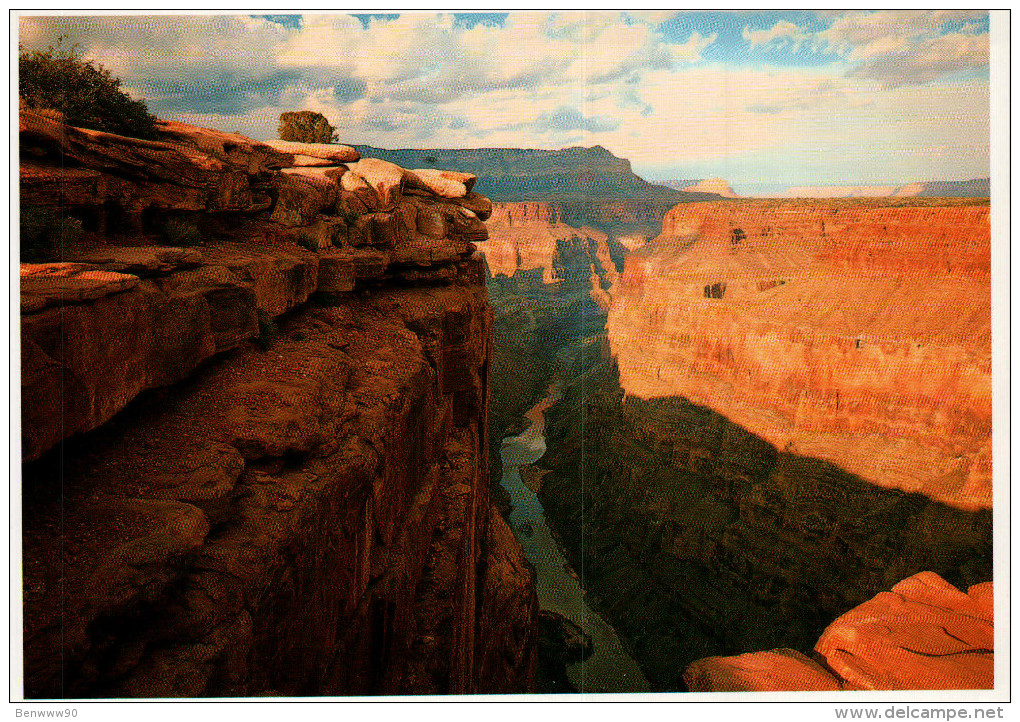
609	668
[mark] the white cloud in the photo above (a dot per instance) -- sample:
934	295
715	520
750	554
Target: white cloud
782	31
898	47
547	80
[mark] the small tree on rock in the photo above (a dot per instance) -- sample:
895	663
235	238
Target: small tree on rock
306	126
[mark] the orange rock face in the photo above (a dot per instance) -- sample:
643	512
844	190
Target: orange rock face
534	237
924	634
853	332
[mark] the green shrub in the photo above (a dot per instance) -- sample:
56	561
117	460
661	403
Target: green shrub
268	330
181	233
44	233
308	242
306	126
83	91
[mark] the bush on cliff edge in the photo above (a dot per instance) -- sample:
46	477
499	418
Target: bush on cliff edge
83	91
306	126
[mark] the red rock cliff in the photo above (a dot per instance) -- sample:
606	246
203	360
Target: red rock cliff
852	332
308	514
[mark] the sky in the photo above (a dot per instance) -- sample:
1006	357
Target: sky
758	98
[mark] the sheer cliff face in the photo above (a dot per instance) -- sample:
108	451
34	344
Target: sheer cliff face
793	416
306	510
853	334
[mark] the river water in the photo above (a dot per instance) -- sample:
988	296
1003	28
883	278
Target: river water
609	668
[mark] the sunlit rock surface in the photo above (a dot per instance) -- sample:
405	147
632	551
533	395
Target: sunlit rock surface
923	634
854	333
791	415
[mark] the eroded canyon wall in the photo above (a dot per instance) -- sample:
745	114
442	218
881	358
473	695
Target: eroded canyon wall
793	416
259	465
851	333
550	285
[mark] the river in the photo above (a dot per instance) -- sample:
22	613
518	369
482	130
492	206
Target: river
609	668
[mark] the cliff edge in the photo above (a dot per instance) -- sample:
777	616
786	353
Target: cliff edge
256	464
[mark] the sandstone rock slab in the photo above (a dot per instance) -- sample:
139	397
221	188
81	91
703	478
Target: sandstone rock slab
446	183
923	634
325	151
780	670
141	261
55	284
253	156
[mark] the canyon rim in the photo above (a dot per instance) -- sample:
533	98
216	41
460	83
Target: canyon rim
547	356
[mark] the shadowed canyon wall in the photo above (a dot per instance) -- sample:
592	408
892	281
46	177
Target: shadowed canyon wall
306	510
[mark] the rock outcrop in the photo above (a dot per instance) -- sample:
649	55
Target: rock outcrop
271	463
923	634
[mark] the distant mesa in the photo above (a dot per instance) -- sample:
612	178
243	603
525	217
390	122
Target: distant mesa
974	188
715	186
575	174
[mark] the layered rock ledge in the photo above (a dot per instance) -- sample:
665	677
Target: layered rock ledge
127	316
854	332
272	467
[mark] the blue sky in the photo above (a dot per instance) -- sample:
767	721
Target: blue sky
774	98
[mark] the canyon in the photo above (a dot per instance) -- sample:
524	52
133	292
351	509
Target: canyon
527	423
788	413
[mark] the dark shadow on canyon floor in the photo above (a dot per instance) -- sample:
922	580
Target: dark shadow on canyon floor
696	537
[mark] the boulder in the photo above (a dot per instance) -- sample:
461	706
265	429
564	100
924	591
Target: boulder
385	179
479	204
923	634
464	223
780	670
311	161
444	183
389	181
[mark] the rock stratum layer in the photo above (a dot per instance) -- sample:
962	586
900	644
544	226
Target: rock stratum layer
858	335
922	634
308	514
